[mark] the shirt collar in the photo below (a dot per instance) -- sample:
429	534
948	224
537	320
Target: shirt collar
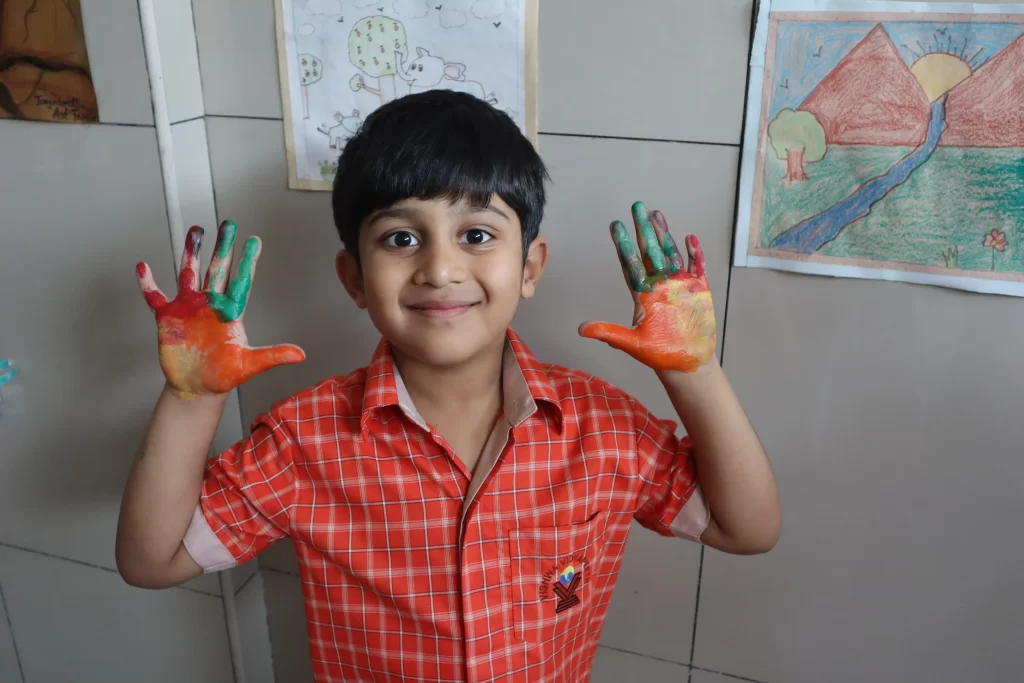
524	382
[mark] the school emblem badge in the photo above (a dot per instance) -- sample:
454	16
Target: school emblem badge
563	582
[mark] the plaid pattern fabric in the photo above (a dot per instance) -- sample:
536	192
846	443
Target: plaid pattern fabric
402	581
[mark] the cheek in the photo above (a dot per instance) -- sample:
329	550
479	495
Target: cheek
501	278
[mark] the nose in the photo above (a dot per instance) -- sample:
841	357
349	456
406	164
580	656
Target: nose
440	264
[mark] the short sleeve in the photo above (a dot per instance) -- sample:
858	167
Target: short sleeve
247	495
671	502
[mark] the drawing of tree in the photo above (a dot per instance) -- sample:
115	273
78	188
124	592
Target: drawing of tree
44	70
375	46
799	139
311	70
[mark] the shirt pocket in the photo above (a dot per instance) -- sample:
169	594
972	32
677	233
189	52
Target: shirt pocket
551	580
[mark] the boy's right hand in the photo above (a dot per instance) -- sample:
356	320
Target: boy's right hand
203	347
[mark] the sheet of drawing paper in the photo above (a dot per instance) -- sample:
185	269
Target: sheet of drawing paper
341	59
885	140
44	69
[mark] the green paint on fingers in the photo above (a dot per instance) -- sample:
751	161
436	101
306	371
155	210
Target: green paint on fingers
632	266
226	239
652	249
230	308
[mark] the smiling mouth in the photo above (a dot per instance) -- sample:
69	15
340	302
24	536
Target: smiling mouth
443	309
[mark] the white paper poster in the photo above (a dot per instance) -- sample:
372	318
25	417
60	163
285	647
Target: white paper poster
341	59
885	140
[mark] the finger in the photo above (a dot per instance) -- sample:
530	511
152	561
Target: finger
240	286
154	297
696	254
622	338
220	265
654	258
264	358
7	373
188	277
668	243
629	259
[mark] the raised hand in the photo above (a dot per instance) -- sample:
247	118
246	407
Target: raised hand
673	320
203	347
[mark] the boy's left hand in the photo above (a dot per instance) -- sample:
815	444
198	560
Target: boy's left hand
673	321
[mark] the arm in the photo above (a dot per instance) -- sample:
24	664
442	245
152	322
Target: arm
203	354
674	333
163	490
734	472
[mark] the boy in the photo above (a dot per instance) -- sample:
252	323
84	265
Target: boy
459	509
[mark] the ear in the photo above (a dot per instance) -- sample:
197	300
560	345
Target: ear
454	71
421	52
351	278
533	269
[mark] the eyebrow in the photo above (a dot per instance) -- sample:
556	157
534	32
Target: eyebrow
410	214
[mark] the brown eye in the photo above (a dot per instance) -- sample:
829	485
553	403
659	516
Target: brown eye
476	236
400	239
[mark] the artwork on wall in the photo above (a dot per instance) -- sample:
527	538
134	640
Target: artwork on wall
341	59
885	140
44	68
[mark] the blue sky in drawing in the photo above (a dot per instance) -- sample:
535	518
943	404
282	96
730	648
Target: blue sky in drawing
805	52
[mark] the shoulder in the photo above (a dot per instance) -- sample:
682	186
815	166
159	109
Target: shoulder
587	392
334	398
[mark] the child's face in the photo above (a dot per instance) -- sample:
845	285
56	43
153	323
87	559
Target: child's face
442	282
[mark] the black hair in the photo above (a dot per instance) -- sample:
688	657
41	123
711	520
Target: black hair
437	144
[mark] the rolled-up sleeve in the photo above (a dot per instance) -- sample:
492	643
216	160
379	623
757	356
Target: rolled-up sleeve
248	492
671	502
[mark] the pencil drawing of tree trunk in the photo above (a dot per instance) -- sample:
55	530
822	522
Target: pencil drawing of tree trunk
44	68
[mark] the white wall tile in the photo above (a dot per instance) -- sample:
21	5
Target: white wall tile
614	666
113	38
254	632
895	432
281	556
88	205
288	629
179	57
195	184
658	68
69	618
238	58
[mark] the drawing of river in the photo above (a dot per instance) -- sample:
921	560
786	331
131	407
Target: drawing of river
813	233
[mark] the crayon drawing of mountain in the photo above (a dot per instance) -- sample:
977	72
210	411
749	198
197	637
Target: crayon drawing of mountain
894	144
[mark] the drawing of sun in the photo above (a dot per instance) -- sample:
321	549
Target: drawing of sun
940	72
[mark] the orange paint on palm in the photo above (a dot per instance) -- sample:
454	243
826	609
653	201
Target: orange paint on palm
674	324
202	342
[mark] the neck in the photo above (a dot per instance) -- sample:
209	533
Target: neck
471	386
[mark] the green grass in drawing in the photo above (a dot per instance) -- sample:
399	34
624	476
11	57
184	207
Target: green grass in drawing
918	222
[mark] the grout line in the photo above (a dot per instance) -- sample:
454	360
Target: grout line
280	571
727	675
725	310
705	143
246	582
188	120
245	118
231	624
199	54
90	565
10	629
640	654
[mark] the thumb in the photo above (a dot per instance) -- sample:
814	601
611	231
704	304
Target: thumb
623	338
263	358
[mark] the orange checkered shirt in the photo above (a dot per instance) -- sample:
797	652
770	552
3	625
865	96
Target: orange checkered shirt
414	568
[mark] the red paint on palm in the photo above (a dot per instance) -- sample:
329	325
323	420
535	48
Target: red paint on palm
200	352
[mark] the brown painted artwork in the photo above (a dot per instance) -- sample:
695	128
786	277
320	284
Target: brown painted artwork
44	68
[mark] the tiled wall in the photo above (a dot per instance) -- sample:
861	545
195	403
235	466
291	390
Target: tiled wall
79	206
891	412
